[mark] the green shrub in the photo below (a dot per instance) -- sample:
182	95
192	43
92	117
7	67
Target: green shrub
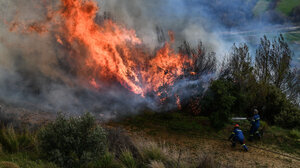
128	160
72	142
219	101
288	117
294	133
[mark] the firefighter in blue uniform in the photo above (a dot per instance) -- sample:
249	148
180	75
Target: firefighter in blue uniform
238	136
255	125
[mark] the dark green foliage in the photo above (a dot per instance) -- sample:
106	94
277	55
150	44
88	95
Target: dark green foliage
288	117
72	142
275	102
219	101
269	84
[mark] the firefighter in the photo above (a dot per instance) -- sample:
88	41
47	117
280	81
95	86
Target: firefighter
255	125
238	136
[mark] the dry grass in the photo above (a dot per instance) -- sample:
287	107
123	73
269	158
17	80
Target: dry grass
161	154
207	161
8	165
156	164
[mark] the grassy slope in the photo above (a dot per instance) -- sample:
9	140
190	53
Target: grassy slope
179	124
286	6
25	160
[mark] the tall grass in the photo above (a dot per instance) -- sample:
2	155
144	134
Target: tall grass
156	164
207	161
8	165
15	142
9	140
128	160
153	152
107	161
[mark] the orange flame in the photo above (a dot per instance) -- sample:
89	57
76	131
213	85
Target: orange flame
111	51
178	102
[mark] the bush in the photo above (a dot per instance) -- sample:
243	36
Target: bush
73	142
219	101
294	133
288	117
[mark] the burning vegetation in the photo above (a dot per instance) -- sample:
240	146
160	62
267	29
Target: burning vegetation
102	54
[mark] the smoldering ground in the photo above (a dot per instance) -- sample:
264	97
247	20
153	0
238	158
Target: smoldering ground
33	66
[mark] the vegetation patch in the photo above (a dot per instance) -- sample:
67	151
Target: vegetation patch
173	122
72	142
261	6
286	6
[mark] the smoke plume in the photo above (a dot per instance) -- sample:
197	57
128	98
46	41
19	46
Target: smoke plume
43	50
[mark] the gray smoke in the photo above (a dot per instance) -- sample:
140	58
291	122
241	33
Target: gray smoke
33	72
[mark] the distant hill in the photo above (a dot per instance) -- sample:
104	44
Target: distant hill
288	9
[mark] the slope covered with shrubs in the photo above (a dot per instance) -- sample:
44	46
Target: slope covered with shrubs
81	142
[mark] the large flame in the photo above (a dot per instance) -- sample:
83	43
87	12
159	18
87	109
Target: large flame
111	51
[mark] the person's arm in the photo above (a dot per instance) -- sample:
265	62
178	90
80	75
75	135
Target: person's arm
253	120
232	135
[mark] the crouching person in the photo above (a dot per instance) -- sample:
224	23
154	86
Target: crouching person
237	136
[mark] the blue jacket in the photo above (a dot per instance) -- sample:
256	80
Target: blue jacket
255	120
237	133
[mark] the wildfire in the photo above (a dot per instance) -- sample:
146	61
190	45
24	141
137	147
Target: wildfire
112	51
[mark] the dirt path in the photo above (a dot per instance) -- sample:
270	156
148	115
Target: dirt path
220	150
